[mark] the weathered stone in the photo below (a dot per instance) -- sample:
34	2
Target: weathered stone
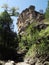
22	63
27	17
2	62
31	60
10	63
46	63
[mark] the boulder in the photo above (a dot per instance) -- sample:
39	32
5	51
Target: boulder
2	62
22	63
38	63
46	63
10	63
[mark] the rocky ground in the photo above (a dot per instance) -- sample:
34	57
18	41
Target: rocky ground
13	63
29	61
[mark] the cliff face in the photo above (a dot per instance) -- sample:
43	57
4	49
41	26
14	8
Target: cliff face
27	17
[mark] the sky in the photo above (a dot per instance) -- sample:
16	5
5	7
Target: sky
22	4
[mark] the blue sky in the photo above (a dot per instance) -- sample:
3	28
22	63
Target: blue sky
22	4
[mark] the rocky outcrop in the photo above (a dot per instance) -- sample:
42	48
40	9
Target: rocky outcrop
29	61
27	17
10	63
22	63
2	62
42	60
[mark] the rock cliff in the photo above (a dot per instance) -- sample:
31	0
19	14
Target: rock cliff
27	17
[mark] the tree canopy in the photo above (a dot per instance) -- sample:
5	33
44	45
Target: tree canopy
8	38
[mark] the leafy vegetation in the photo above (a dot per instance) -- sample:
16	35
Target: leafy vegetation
47	11
36	38
8	38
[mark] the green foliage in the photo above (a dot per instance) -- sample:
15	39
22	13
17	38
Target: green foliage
12	11
38	49
5	18
36	42
30	36
31	52
43	48
44	33
47	11
7	37
40	40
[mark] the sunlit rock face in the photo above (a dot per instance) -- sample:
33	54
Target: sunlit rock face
10	63
27	17
22	63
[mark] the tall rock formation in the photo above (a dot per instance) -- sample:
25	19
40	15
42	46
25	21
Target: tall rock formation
27	17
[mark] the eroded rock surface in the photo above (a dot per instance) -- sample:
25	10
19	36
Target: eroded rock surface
27	17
